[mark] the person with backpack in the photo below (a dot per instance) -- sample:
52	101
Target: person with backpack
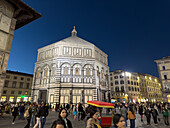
131	117
15	113
28	115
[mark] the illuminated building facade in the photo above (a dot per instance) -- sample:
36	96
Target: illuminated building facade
124	86
71	70
134	87
17	87
163	66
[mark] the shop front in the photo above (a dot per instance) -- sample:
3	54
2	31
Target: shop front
3	98
11	99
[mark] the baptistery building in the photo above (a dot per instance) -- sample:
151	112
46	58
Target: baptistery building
71	70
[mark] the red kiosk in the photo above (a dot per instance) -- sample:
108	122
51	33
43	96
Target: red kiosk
106	121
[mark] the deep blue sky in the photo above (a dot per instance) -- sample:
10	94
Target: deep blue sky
132	32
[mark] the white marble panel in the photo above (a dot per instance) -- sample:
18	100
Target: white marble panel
3	40
5	23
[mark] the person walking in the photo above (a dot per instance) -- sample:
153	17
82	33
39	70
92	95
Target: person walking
38	113
148	115
34	109
141	111
22	110
155	115
80	111
15	113
124	114
131	117
63	116
28	115
165	115
43	114
75	111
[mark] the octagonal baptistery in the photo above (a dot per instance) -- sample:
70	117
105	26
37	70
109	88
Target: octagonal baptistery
71	70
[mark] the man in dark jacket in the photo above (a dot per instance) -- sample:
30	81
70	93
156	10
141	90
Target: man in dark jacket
43	115
22	110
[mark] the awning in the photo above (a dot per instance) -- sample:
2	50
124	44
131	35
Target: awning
100	104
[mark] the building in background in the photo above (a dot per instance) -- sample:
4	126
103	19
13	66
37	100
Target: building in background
134	87
163	66
17	87
150	88
14	14
71	70
124	86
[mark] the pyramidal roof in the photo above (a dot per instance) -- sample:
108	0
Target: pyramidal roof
74	40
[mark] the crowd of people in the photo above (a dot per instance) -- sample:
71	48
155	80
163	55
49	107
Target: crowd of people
36	114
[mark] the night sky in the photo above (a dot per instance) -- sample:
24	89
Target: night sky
133	33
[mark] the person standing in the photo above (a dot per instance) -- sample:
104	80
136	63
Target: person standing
155	115
15	113
124	114
75	111
131	117
43	115
22	110
148	115
165	115
63	116
141	111
38	113
80	111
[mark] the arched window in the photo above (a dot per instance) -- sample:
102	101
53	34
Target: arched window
128	82
131	82
135	89
77	71
129	88
65	69
122	88
132	89
117	89
111	84
134	83
121	82
116	82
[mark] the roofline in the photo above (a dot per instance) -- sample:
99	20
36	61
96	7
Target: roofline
18	73
28	13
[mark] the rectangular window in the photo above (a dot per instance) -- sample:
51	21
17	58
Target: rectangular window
19	92
22	78
165	77
21	85
15	77
28	79
27	85
14	85
7	76
110	78
163	67
4	92
12	92
6	83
